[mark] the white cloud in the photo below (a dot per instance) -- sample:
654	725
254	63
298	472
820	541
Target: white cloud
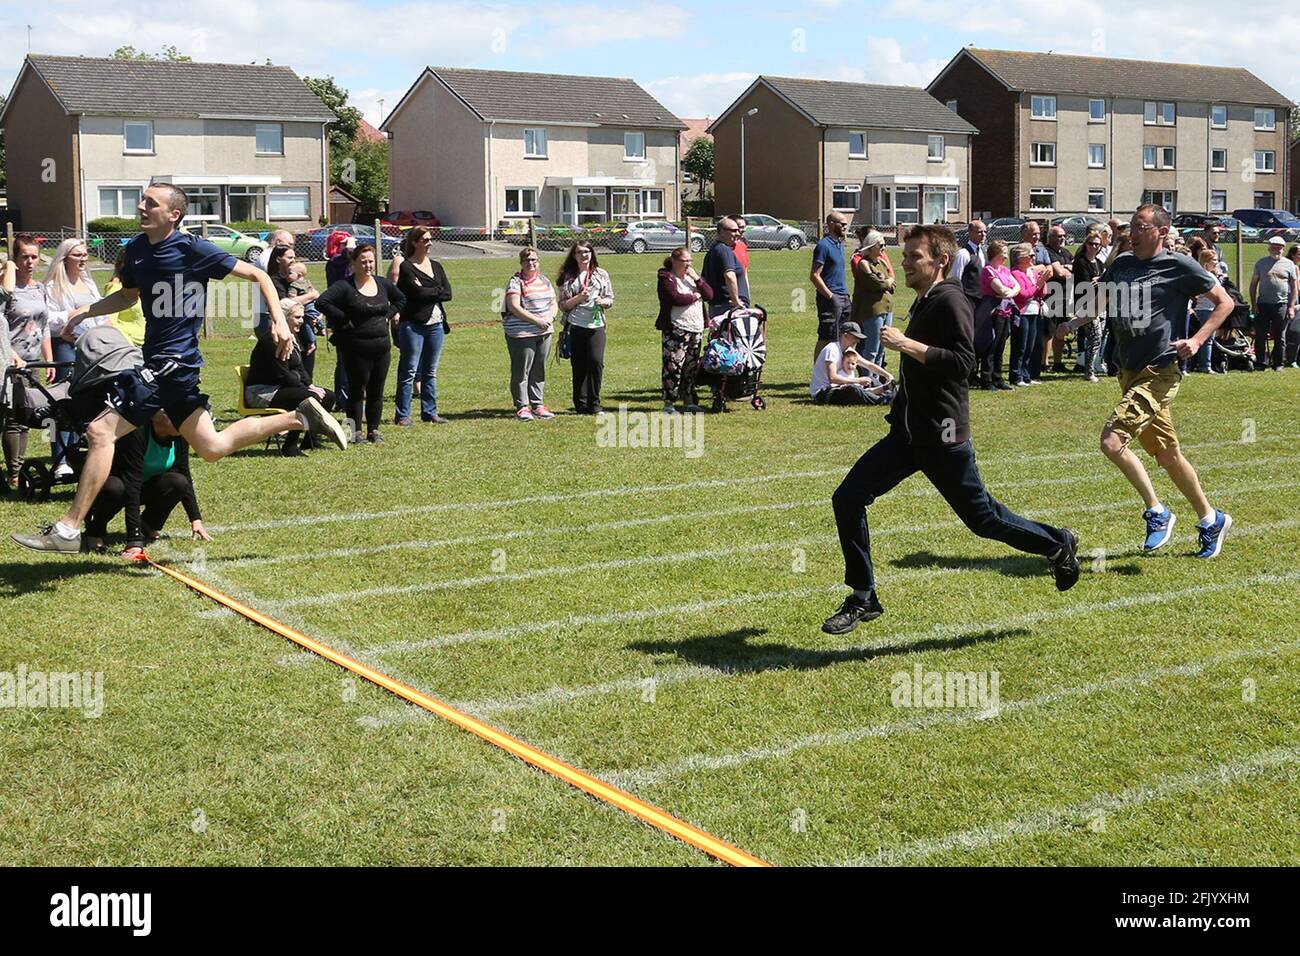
704	94
586	27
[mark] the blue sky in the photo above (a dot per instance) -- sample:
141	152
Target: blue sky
695	58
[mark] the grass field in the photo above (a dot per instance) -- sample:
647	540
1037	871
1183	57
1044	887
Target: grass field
654	619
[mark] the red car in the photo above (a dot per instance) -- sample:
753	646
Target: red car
413	217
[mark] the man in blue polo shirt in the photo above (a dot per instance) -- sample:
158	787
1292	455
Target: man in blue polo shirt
827	277
167	272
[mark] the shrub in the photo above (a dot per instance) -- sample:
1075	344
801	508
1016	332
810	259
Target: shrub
251	227
113	224
702	208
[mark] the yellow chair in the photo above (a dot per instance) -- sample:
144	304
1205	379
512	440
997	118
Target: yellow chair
241	372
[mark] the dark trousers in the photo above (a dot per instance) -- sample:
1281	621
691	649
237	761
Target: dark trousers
159	495
952	471
990	363
1270	317
367	368
290	398
1024	344
60	442
588	357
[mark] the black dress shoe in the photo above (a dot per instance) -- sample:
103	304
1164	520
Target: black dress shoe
852	612
1003	387
1065	564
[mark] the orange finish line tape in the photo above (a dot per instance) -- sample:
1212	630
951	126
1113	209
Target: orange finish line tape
571	775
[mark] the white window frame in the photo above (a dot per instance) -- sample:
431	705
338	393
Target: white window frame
538	136
1219	167
930	142
197	196
593	215
521	190
846	188
1149	195
951	105
1215	109
1041	191
253	191
1171	152
1260	203
137	151
953	198
279	131
1098	193
1149	150
913	212
1042	107
1153	113
646	196
630	155
122	212
288	192
1272	119
1095	119
1221	197
863	153
1037	152
1172	110
1270	161
1102	163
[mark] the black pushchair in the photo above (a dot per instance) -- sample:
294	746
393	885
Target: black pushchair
732	361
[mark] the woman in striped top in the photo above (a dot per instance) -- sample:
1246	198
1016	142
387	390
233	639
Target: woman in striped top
529	318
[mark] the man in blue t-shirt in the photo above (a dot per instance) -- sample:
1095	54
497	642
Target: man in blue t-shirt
1146	294
167	272
724	273
827	277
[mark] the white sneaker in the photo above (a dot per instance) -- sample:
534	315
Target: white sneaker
64	470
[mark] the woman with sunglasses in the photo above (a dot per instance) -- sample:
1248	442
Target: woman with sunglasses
423	327
585	293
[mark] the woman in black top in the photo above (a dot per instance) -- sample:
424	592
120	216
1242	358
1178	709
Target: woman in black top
420	334
151	467
273	382
358	310
1088	317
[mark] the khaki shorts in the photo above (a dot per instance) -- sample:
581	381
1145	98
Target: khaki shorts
1143	412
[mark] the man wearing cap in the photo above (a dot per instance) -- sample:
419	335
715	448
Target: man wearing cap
1273	298
929	432
830	385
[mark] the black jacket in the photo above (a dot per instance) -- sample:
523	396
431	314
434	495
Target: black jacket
932	406
265	369
354	318
422	291
128	464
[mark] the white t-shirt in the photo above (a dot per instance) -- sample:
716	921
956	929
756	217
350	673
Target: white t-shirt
821	379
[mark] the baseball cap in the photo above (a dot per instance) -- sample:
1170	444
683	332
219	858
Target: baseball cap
1276	241
851	328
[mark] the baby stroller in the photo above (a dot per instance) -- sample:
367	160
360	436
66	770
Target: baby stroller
1233	350
732	361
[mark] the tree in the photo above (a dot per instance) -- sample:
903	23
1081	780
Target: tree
360	168
343	131
371	184
168	53
698	161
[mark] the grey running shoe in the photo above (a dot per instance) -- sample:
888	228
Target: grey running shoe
47	539
321	422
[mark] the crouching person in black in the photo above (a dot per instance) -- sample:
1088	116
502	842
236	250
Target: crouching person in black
929	432
151	471
283	383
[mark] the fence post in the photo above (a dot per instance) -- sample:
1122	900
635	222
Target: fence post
379	249
532	232
9	240
690	235
1240	254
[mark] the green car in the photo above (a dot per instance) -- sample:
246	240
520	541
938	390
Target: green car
238	244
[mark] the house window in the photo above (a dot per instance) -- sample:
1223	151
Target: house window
1167	157
1158	157
936	204
652	202
1096	111
1265	161
1219	160
952	105
535	143
290	202
1158	114
205	203
137	136
1168	115
1264	200
907	209
953	199
247	203
857	145
270	139
846	196
1218	200
934	149
1042	154
591	204
1096	155
1161	197
1042	199
634	145
521	201
1266	120
1096	200
118	200
1042	107
1219	117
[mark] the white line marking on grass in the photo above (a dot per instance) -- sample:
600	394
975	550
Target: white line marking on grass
700	762
624	491
1078	815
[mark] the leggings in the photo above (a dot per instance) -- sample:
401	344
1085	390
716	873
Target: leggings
367	364
158	496
15	448
292	398
588	366
681	362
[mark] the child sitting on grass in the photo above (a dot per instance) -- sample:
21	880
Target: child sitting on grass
877	382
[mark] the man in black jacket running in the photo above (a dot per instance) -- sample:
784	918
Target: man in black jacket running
929	432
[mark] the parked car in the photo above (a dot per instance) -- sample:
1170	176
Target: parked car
768	232
1231	226
410	217
1271	222
238	244
1076	227
647	234
311	244
1005	223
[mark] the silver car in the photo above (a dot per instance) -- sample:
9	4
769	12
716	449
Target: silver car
646	234
767	232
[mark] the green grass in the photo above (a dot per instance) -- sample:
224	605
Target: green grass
1124	694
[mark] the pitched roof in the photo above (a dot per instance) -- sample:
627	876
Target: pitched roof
367	133
505	95
864	105
695	128
1112	76
106	86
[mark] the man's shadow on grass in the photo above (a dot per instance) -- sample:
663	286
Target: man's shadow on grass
730	652
1014	566
18	579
